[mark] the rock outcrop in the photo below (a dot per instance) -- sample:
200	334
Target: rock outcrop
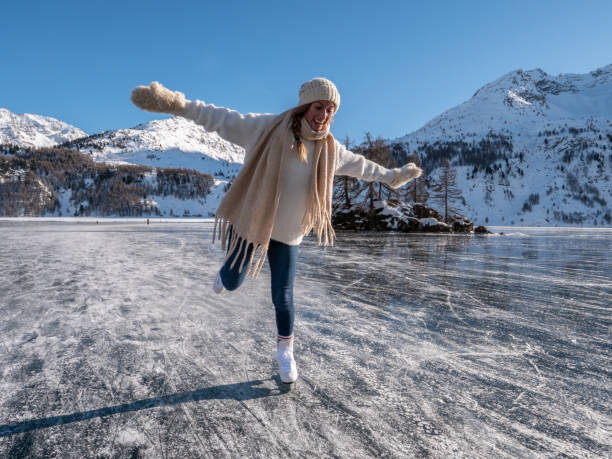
397	216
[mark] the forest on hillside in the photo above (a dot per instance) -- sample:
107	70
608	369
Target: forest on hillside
31	180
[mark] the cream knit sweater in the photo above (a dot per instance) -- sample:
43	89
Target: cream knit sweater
244	130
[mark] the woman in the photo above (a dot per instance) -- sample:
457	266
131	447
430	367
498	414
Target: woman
283	191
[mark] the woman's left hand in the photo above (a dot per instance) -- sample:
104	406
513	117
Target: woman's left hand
404	174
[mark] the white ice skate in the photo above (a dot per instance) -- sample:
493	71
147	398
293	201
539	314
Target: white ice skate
218	285
286	363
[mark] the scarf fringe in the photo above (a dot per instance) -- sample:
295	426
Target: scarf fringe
259	253
322	226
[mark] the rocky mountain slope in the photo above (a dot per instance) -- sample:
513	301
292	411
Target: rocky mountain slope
61	182
35	130
170	143
529	149
173	143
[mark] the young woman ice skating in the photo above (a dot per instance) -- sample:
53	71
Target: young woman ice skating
283	191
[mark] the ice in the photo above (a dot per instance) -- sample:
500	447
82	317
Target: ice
113	345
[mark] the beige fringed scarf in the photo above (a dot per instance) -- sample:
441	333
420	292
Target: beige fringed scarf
249	207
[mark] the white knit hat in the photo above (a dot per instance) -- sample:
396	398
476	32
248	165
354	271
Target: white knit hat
319	89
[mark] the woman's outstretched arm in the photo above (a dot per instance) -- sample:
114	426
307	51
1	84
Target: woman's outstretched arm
353	165
229	124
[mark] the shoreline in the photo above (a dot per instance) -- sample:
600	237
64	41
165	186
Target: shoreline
108	219
211	220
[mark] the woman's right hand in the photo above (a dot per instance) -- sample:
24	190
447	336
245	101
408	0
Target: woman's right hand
156	98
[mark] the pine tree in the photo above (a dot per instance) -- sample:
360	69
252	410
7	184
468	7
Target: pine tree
377	150
344	183
416	190
446	191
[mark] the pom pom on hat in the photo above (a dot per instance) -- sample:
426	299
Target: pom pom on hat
319	89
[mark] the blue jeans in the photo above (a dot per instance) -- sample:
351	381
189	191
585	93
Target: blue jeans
282	259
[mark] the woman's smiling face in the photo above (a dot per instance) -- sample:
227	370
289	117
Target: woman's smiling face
319	114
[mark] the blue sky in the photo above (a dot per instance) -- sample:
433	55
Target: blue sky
397	64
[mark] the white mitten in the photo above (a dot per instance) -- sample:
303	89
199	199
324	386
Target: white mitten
404	174
156	98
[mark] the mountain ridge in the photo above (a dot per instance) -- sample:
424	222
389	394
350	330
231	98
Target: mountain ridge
30	130
529	149
557	139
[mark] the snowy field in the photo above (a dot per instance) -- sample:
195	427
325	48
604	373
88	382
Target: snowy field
113	345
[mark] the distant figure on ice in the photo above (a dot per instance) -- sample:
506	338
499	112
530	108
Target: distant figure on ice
283	191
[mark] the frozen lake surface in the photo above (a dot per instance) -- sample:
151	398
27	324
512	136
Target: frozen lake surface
112	344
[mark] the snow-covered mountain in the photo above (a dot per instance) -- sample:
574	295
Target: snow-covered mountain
529	149
170	143
28	130
167	143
